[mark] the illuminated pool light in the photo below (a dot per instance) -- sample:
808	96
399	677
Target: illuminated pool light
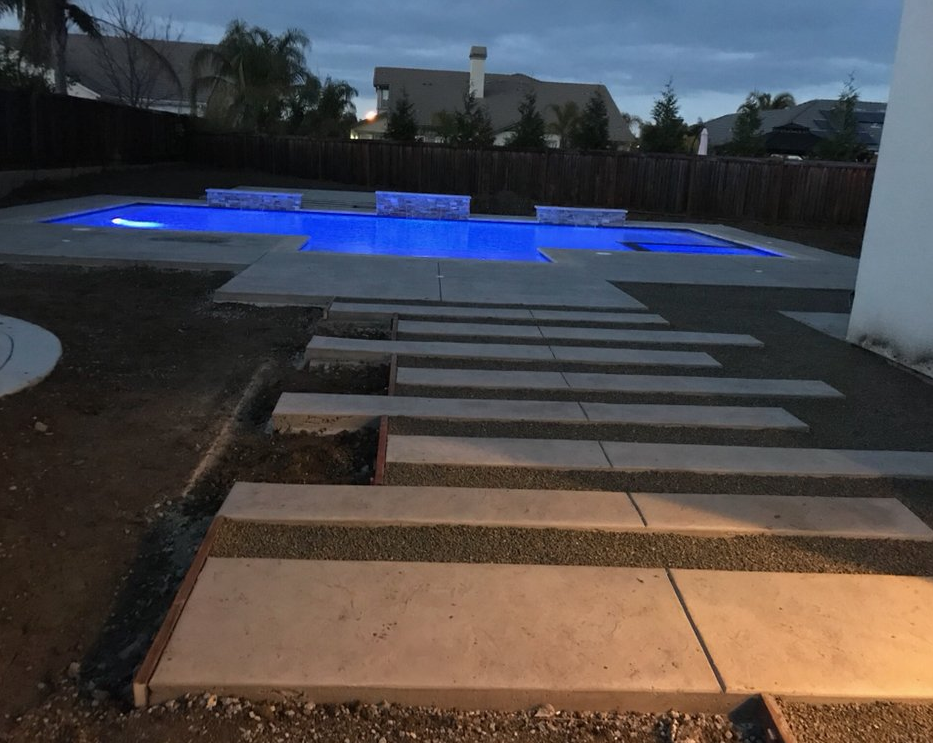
120	222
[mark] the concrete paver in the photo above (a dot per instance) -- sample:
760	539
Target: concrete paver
868	518
328	348
753	460
809	635
451	635
28	354
496	452
332	413
404	505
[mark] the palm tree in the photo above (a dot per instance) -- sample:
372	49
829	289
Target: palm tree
251	75
44	26
566	121
335	113
768	102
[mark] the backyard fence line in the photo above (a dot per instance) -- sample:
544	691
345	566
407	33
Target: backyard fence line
43	130
764	190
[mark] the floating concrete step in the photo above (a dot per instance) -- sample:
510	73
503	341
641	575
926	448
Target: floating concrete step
329	414
323	349
561	454
556	332
446	635
362	310
699	514
629	383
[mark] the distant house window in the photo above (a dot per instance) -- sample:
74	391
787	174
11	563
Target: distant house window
382	98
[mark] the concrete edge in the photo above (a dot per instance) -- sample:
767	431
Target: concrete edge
34	353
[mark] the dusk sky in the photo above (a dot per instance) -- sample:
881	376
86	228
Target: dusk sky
715	50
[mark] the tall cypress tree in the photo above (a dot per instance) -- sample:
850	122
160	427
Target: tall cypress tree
474	127
401	125
747	140
667	130
593	131
843	143
529	131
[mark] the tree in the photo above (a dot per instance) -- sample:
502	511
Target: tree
474	127
593	130
529	131
252	76
667	130
566	121
747	140
335	114
17	74
444	123
44	27
768	102
402	125
134	55
843	143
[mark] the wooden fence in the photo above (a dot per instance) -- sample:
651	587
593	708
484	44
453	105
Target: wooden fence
765	190
52	131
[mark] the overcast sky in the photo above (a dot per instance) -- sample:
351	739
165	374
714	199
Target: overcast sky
715	50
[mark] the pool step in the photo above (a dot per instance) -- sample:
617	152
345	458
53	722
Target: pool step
503	379
408	328
324	349
623	456
364	310
696	514
329	413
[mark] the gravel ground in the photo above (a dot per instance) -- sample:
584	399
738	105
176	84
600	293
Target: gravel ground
562	547
881	722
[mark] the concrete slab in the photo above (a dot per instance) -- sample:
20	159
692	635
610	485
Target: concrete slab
496	452
808	635
330	414
360	505
753	460
475	329
633	357
833	324
354	310
481	378
613	335
329	348
28	354
450	635
855	518
701	416
672	385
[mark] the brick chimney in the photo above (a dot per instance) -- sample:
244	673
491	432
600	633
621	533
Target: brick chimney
478	71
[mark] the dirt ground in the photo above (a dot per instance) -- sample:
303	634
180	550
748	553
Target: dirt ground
179	181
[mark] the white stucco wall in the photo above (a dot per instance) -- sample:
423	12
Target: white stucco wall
893	309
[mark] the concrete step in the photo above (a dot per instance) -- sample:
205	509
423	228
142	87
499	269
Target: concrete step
559	454
329	414
561	333
512	636
698	514
364	310
327	349
504	379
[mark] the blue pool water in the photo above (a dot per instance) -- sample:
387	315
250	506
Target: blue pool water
431	238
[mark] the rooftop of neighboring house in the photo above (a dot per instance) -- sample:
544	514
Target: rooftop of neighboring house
814	115
432	91
84	65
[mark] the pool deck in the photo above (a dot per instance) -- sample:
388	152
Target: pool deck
271	270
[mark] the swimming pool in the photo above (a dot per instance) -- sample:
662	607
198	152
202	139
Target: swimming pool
369	234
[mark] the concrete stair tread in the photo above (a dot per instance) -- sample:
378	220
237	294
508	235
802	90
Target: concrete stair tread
475	635
638	457
355	310
331	413
631	383
323	349
560	333
699	514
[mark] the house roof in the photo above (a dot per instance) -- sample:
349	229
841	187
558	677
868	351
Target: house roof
814	115
84	64
442	90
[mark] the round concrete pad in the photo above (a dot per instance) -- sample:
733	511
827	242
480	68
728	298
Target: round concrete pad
27	354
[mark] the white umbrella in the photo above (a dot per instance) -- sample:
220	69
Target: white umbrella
703	149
